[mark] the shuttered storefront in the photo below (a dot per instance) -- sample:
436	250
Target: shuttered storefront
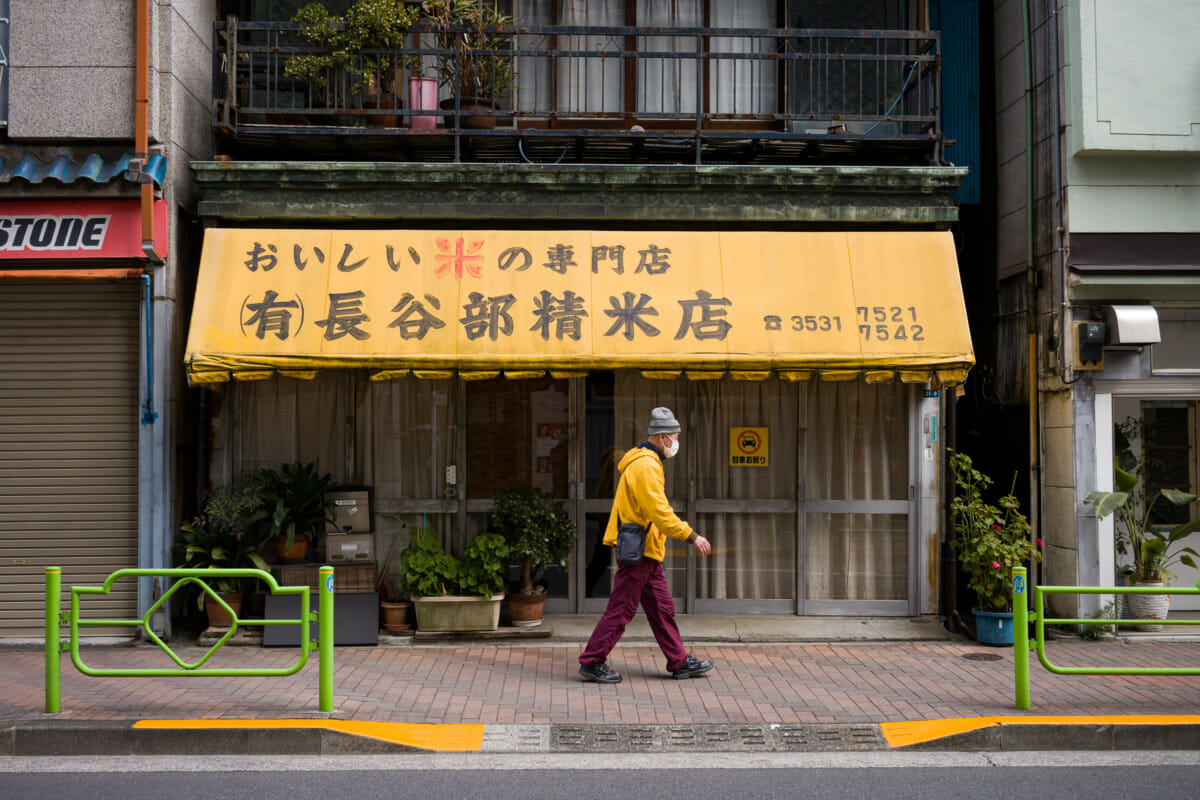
68	444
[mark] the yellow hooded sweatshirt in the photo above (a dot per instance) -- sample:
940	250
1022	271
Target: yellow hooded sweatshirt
641	497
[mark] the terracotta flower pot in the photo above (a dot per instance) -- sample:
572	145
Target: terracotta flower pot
526	609
218	617
394	615
298	551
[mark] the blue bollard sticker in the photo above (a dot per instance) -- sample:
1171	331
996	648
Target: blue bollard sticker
1018	584
329	583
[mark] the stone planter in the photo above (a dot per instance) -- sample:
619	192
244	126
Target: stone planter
458	613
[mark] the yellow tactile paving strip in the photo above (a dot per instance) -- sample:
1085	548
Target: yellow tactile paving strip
903	734
441	738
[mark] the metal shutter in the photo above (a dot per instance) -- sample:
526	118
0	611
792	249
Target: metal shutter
68	445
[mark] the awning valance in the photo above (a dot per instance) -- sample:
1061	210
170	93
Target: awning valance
826	304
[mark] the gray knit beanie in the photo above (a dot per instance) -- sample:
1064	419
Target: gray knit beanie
662	421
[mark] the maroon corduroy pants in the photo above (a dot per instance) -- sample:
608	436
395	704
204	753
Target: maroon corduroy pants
643	583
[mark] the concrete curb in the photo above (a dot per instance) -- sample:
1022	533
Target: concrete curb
322	737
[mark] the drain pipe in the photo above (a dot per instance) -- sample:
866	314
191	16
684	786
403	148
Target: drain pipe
1031	299
149	415
141	154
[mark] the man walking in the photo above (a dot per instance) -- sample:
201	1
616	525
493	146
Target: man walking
641	498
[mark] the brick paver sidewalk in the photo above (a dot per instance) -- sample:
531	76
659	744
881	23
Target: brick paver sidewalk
498	683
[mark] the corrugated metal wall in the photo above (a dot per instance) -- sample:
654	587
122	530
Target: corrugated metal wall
68	444
958	20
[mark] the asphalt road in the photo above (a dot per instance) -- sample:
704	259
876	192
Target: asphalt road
928	776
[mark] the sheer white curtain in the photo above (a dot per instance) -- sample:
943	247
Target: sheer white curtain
857	439
668	85
743	86
577	85
754	554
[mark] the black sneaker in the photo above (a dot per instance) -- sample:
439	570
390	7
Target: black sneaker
600	673
691	668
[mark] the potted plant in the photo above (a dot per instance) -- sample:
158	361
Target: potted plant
356	45
539	531
223	537
479	78
1153	551
990	541
294	499
451	594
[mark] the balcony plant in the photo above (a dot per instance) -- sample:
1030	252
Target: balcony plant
294	499
477	77
1153	550
351	46
990	541
452	594
539	531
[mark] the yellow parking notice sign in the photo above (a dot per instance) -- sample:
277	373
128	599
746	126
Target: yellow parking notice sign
747	447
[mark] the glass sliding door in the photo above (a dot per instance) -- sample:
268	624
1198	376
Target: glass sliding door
857	513
743	456
518	434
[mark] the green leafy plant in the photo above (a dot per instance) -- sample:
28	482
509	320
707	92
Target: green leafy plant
426	569
1094	633
469	69
294	498
990	540
537	528
484	565
1152	551
340	44
223	536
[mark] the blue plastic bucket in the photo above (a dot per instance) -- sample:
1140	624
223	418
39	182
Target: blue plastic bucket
994	628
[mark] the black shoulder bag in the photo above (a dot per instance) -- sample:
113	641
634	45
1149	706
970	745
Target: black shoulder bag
631	542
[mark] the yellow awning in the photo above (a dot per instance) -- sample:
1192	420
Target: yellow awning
833	305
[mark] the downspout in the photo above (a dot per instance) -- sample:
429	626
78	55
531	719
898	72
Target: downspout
141	154
1031	309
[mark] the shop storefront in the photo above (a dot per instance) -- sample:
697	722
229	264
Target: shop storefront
71	394
435	367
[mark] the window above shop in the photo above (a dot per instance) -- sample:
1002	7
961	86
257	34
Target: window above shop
1177	353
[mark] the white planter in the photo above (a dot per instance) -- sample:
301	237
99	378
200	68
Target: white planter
1148	606
458	613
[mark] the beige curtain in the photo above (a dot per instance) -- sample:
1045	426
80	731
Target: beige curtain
857	437
754	554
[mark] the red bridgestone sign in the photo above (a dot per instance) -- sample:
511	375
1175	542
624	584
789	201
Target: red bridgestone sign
71	229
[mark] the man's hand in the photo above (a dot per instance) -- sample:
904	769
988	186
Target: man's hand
702	545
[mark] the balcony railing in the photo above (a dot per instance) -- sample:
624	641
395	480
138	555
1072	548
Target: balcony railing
595	94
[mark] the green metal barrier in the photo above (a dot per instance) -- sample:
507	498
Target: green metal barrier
55	646
1022	617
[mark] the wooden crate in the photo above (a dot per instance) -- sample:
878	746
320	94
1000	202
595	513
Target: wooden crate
347	578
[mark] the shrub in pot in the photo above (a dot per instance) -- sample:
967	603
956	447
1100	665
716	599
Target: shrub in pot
224	536
453	594
990	541
539	531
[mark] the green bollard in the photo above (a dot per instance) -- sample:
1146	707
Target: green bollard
1021	638
325	639
53	647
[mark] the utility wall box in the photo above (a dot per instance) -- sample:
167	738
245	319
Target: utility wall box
343	547
1089	345
351	510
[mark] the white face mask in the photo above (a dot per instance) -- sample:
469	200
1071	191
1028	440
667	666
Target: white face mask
671	449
